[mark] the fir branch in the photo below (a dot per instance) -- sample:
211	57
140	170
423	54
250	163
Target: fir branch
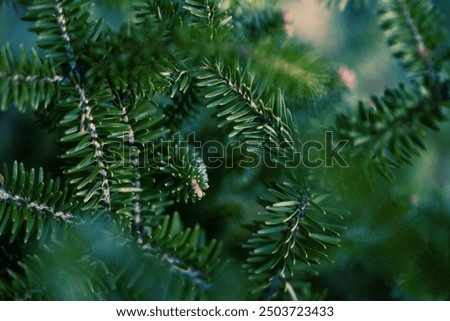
390	129
30	78
424	52
184	250
186	177
182	98
14	3
291	291
27	82
291	230
136	142
343	4
209	16
43	209
169	12
63	29
91	264
148	60
87	161
177	266
268	125
62	22
29	204
260	32
292	66
58	26
136	199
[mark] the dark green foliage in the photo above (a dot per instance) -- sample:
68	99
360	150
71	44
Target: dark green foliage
259	23
62	27
33	209
14	3
26	82
185	250
342	4
133	152
90	266
122	224
111	138
389	129
31	206
413	31
260	118
276	58
211	21
89	171
292	229
187	177
184	100
133	64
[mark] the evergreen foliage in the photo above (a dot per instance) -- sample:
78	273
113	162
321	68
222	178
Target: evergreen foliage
413	31
291	230
22	79
391	127
120	101
342	4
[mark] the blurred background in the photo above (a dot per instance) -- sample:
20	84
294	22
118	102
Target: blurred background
396	245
